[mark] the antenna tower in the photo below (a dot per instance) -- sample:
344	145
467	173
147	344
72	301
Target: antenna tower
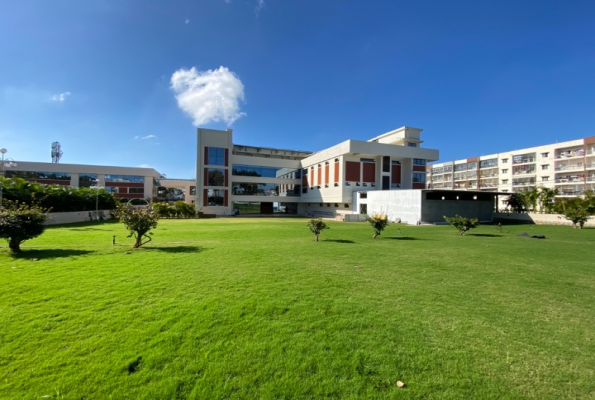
56	152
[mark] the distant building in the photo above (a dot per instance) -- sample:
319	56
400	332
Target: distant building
566	166
123	182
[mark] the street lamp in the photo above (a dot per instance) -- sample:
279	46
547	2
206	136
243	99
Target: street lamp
3	165
96	187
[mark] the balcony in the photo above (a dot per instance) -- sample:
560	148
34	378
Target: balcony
570	179
570	167
578	152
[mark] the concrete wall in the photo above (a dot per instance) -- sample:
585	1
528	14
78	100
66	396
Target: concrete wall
433	211
538	219
72	217
405	205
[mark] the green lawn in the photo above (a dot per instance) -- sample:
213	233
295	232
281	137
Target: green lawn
254	308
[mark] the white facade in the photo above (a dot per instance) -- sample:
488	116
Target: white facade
567	166
265	180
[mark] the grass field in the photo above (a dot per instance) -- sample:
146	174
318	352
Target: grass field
254	308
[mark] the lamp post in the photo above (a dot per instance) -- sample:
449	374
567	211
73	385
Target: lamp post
3	165
96	187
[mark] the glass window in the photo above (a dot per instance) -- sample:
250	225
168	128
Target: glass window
411	144
216	156
125	178
62	176
256	189
215	197
504	160
545	166
419	161
136	190
505	181
193	190
216	177
419	177
505	171
87	180
367	160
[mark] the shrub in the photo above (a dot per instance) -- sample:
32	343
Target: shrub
378	222
20	222
139	221
316	226
461	223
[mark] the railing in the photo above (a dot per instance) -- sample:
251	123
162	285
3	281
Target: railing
569	167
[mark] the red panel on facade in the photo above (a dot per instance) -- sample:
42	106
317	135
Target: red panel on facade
124	184
337	172
206	160
225	198
396	174
319	176
352	171
305	180
205	198
225	174
419	186
419	168
369	172
226	157
326	174
590	140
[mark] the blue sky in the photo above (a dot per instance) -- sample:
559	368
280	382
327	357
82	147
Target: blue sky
121	82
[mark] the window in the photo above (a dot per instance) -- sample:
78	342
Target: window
504	160
385	164
505	181
419	161
215	197
505	171
216	156
545	166
38	175
545	155
363	195
367	160
545	178
125	178
216	177
136	190
192	190
411	144
419	177
87	180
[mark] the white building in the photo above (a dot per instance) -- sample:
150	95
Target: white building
262	180
566	166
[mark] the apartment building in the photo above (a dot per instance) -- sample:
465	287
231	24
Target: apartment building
567	166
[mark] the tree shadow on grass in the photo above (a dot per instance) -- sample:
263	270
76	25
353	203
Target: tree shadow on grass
49	253
402	238
483	235
340	241
176	249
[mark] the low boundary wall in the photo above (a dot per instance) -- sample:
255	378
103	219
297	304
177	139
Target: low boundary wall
76	216
538	219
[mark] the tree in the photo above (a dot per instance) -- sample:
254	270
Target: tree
516	202
577	211
139	221
316	226
531	196
462	224
20	222
378	222
547	199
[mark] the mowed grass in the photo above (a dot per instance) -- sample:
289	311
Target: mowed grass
252	308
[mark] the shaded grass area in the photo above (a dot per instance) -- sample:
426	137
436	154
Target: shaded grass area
254	308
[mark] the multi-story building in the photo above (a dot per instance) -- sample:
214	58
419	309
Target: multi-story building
123	182
566	166
265	180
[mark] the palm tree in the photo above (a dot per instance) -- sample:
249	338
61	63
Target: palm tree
547	199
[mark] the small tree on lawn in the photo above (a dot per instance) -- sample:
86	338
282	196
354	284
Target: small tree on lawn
139	221
378	222
20	222
577	211
316	226
461	223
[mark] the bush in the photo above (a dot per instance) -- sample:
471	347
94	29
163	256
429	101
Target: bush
139	221
378	222
461	223
316	226
20	222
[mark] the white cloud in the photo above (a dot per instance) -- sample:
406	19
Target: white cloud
60	97
259	7
146	137
144	166
187	21
208	96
